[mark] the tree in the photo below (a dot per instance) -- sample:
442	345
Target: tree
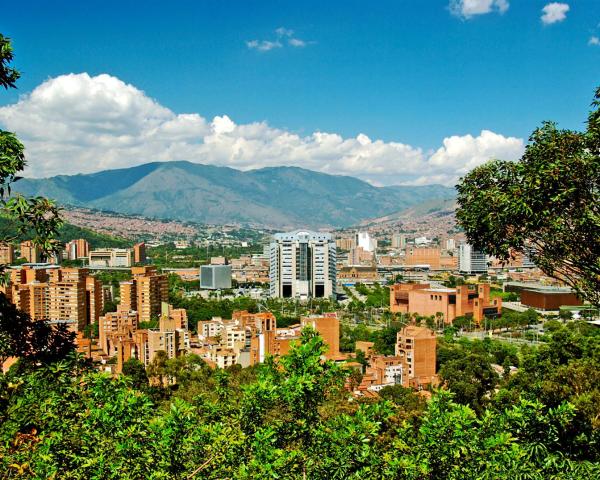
547	205
134	369
37	217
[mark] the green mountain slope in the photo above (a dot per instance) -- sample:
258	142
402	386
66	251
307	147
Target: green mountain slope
277	196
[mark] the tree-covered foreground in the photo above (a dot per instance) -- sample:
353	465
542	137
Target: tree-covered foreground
293	418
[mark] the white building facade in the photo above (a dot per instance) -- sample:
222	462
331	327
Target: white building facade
302	265
471	260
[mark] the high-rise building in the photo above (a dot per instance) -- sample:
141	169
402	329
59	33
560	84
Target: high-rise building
150	289
79	248
364	240
398	240
471	260
64	295
139	253
303	265
7	253
30	252
215	277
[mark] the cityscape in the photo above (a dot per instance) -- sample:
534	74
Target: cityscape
187	298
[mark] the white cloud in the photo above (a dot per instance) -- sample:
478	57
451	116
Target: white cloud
296	42
263	45
283	35
284	32
594	40
554	12
470	8
80	124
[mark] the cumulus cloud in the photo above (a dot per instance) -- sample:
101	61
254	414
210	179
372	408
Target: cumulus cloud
470	8
594	40
80	124
554	12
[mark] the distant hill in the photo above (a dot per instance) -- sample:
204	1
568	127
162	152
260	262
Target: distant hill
436	207
276	196
69	232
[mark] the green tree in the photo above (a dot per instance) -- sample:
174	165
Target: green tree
135	371
547	205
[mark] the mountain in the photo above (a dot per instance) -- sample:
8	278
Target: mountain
439	207
275	196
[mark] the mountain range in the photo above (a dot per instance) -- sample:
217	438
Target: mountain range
275	196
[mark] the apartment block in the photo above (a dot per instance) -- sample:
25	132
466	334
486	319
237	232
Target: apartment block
417	347
76	249
7	253
139	253
67	295
464	300
399	240
30	252
145	293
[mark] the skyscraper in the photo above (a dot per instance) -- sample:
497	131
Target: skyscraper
302	265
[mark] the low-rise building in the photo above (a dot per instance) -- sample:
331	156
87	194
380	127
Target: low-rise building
464	300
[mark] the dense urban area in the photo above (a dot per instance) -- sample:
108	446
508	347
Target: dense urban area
457	338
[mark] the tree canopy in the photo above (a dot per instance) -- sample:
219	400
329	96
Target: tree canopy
547	205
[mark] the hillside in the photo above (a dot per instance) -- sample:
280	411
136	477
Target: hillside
70	232
276	196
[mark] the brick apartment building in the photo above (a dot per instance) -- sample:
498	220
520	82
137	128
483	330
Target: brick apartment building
47	292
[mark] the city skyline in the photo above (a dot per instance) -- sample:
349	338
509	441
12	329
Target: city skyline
431	91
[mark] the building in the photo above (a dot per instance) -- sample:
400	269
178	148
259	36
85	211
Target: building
61	295
366	242
248	338
218	261
358	273
464	300
139	253
549	298
423	256
215	277
358	256
384	371
150	289
417	347
111	257
30	252
345	243
7	253
76	249
398	240
470	260
119	336
302	265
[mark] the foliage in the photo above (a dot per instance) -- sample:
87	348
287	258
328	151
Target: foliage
547	205
33	341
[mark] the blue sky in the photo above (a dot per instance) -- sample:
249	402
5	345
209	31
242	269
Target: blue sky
407	71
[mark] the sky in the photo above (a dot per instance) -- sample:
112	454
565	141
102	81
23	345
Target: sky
392	92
